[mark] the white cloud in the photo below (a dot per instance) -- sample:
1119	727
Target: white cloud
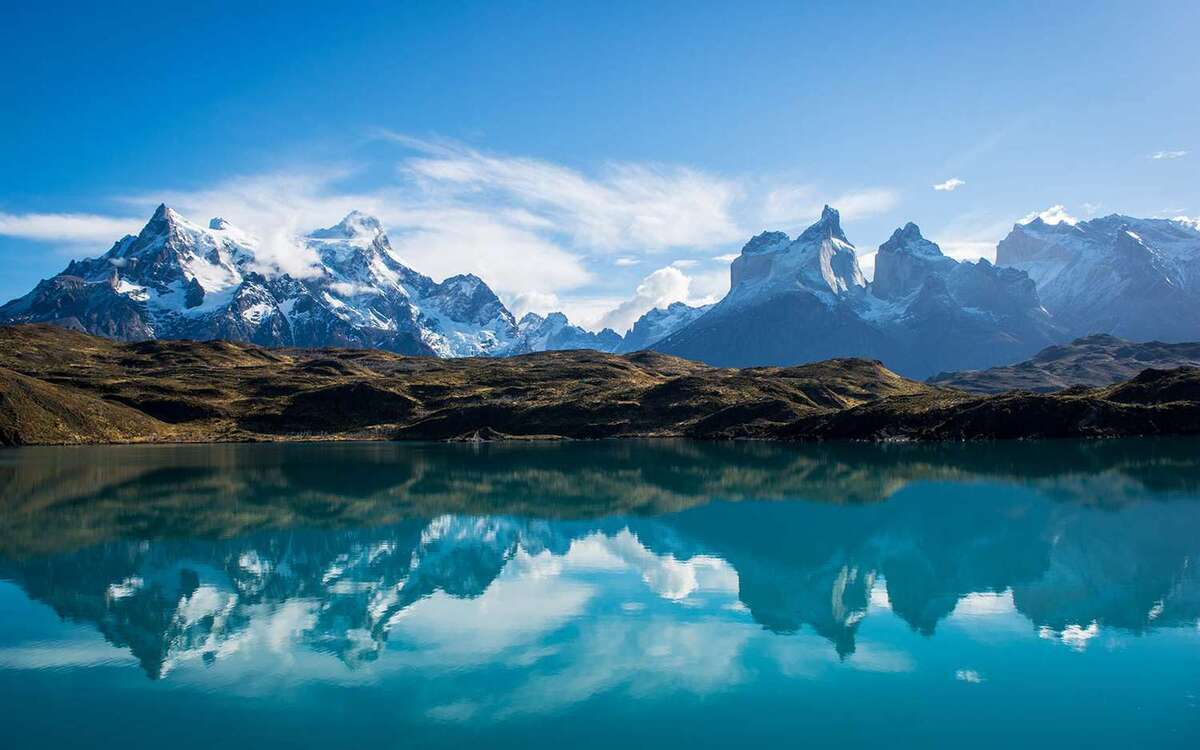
1091	209
624	262
684	263
726	258
949	185
588	311
1158	155
659	289
1056	214
532	301
72	228
968	675
446	242
651	207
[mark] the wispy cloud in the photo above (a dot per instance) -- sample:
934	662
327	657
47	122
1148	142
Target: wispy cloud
1157	155
1056	214
625	262
795	206
949	185
647	206
69	228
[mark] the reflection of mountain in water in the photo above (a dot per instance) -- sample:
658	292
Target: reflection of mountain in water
1073	550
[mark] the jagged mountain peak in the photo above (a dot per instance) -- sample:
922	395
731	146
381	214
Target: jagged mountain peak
908	238
530	319
821	261
1136	278
904	261
179	279
829	226
907	234
356	225
164	213
766	242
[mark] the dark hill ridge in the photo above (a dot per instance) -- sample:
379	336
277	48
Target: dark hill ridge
1090	361
59	386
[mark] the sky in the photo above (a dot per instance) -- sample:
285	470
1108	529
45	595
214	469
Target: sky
599	158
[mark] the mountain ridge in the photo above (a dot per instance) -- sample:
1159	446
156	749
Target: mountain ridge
1091	361
791	301
807	299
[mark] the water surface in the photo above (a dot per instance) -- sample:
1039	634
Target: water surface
666	594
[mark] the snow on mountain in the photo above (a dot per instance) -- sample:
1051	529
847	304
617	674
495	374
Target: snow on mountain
555	333
790	301
1134	278
805	300
177	279
659	323
821	261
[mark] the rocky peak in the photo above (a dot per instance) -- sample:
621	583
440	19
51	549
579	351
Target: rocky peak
766	242
529	321
904	261
829	226
820	260
354	226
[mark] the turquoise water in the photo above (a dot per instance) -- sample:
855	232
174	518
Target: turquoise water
664	594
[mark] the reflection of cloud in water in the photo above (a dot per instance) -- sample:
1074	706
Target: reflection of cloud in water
1076	637
985	604
62	654
664	574
644	658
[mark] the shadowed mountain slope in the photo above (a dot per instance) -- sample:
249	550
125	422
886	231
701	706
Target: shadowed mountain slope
1091	361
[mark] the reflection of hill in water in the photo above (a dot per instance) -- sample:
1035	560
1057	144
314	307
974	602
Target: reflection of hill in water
178	553
93	494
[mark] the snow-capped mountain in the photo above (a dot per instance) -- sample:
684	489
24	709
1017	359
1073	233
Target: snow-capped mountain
806	299
790	301
659	323
555	333
1134	278
178	279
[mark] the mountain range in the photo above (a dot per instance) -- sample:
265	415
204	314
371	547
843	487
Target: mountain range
790	300
179	280
807	299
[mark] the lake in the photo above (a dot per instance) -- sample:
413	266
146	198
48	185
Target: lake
640	593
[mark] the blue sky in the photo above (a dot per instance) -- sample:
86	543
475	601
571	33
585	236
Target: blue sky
589	156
